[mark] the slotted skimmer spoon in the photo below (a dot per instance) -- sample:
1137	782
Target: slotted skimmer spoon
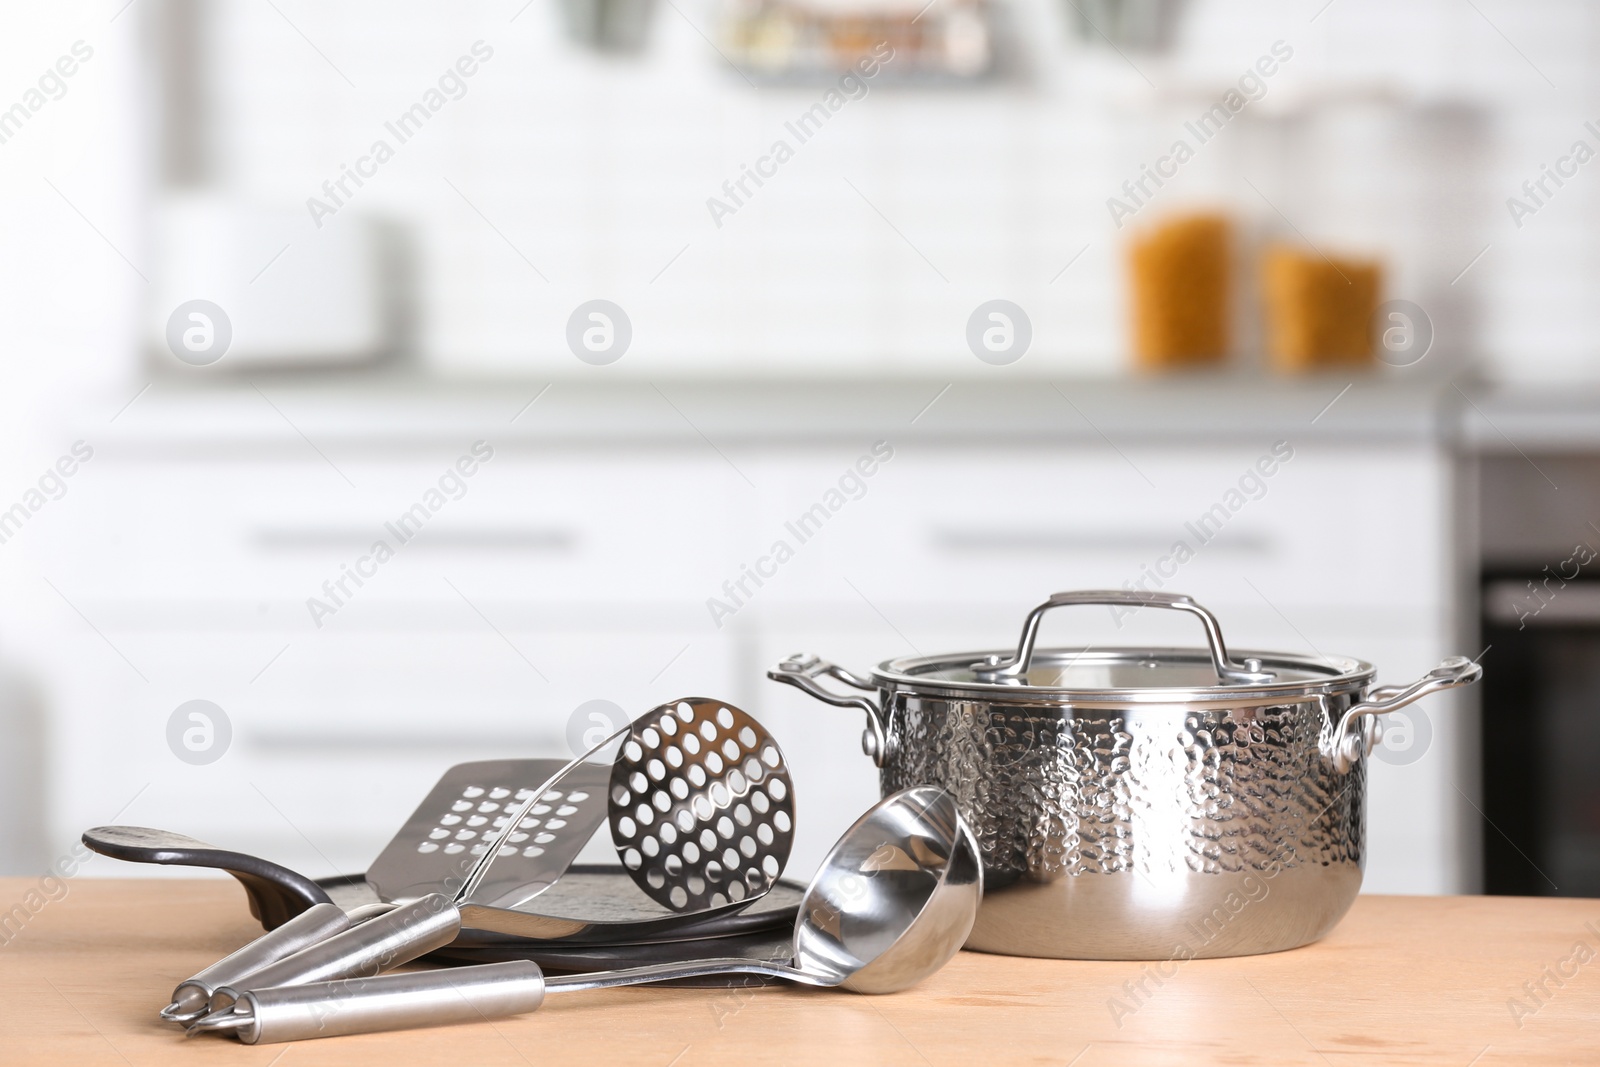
698	798
892	903
701	810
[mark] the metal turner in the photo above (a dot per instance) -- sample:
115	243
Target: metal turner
556	808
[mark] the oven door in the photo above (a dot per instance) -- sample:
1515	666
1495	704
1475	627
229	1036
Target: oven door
1541	732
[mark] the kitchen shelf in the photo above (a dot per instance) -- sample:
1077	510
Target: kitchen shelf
401	413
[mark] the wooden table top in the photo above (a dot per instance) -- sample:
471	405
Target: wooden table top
1403	980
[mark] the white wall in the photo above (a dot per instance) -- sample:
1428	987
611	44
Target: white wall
73	264
597	171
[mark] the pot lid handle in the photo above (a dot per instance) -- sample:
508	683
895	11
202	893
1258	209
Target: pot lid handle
1015	669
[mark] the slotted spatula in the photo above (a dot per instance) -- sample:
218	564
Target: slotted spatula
466	810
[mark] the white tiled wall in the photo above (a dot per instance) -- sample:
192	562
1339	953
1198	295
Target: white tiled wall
597	170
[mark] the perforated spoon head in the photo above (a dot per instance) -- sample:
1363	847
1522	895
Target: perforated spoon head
701	805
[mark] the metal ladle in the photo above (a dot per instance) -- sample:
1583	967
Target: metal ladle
892	903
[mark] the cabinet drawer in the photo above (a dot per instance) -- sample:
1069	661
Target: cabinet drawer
341	735
583	527
936	527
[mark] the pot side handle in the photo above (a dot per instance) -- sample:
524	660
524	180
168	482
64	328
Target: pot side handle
803	671
1352	741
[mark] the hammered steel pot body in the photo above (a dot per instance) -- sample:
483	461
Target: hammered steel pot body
1139	803
1156	833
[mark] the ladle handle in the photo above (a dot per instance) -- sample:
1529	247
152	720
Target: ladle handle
432	998
386	1002
666	972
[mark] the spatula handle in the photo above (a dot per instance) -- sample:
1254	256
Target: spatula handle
318	923
402	935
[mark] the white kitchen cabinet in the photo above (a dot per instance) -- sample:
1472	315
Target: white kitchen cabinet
1332	527
562	583
577	571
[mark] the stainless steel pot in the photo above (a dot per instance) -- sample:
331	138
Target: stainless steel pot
1139	803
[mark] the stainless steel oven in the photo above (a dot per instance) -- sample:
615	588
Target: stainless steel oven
1540	743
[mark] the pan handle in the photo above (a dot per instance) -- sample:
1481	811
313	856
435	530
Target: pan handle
1015	669
802	671
276	894
1351	740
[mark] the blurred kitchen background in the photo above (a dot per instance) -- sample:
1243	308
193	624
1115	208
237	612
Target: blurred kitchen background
1379	248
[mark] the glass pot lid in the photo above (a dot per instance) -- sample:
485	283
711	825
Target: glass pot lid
1145	675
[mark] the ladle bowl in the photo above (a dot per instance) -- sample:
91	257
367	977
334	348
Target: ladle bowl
893	901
